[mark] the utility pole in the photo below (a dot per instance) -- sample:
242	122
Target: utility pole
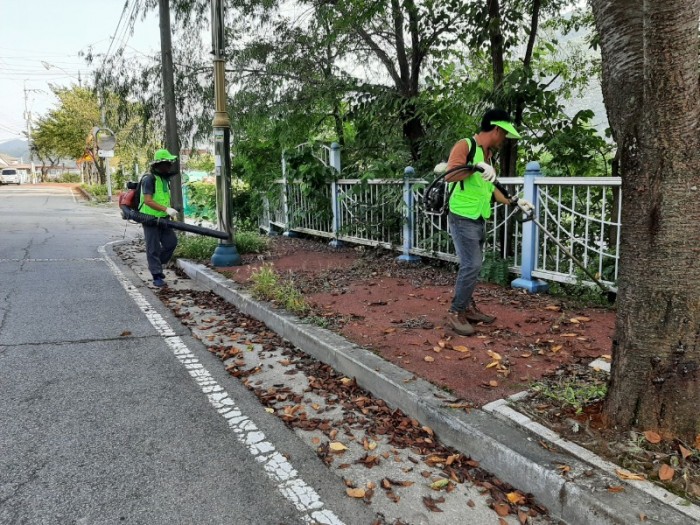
171	139
28	119
225	253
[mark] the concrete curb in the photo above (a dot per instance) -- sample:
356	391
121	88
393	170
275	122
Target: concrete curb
578	497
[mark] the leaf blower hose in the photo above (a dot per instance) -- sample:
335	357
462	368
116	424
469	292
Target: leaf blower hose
136	216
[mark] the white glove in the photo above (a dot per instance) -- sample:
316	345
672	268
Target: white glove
488	173
172	212
440	168
524	205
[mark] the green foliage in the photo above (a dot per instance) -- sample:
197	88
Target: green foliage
98	191
495	269
250	242
201	248
195	247
69	177
268	285
201	200
570	393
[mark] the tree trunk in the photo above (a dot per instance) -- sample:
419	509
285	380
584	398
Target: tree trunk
652	94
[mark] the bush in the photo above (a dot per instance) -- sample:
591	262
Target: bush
69	177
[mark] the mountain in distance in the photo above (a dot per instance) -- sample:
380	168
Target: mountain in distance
17	148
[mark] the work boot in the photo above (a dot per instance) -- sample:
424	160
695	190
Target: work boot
475	315
459	323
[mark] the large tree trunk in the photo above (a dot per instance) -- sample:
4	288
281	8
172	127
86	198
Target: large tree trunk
652	94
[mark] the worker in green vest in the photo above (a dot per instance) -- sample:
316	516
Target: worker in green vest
470	206
155	200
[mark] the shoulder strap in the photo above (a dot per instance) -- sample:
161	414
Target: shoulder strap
470	157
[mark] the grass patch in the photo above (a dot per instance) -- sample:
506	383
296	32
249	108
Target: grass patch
268	285
570	393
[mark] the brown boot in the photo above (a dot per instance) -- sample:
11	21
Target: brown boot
459	323
474	315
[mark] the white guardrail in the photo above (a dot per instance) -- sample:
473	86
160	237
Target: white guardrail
583	214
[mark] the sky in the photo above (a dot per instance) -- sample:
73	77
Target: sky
40	44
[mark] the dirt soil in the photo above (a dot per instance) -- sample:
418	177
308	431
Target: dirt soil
398	310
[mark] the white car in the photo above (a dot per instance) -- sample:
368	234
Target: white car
9	176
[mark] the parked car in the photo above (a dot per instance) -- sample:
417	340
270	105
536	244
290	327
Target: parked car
9	176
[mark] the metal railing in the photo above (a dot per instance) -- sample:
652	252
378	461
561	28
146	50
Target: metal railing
583	214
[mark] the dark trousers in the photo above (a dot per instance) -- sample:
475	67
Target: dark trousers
160	245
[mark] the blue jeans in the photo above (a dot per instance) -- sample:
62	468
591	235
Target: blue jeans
468	236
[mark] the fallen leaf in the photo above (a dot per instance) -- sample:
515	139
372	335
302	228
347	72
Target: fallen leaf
652	437
494	355
568	335
556	348
606	357
615	489
642	516
493	383
552	308
428	359
515	498
430	503
666	473
526	354
501	509
440	484
583	319
442	344
125	333
574	320
428	430
470	503
315	440
564	468
460	348
355	493
390	330
685	452
270	410
522	517
492	364
697	441
335	446
437	349
501	521
626	474
346	381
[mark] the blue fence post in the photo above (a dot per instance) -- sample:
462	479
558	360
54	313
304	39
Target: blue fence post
335	204
529	244
408	218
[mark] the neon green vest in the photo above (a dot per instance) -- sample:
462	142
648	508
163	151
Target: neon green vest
161	196
474	200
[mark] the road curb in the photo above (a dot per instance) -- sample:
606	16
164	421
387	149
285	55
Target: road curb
577	497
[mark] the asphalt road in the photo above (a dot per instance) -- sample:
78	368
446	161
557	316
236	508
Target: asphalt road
101	418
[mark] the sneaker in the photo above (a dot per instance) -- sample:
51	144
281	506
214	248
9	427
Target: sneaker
459	323
159	282
475	315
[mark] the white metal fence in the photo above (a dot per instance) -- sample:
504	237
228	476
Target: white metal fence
583	214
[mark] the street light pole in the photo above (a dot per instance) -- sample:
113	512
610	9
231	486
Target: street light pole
225	253
48	66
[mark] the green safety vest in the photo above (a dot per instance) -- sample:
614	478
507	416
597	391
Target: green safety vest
161	196
472	199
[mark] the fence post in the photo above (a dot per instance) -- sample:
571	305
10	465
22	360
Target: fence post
408	218
335	164
529	243
285	203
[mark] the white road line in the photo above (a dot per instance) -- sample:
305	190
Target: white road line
276	466
84	259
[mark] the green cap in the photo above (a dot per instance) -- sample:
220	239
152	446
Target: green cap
163	155
511	133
